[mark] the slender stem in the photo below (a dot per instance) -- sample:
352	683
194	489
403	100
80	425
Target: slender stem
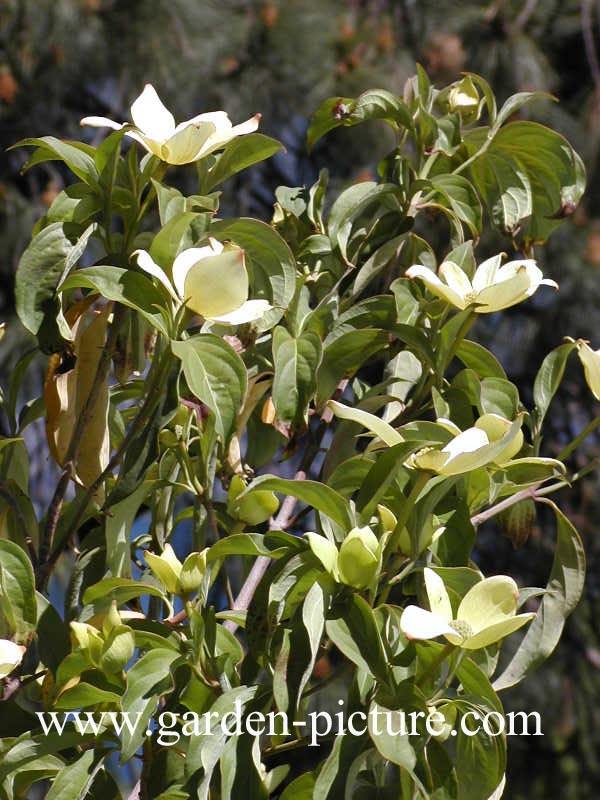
579	439
407	507
260	566
588	41
212	521
282	520
450	676
156	388
462	332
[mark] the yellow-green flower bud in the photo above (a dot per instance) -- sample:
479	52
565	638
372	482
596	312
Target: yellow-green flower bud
359	558
166	567
86	638
254	508
443	729
112	619
192	572
118	649
464	98
516	522
388	519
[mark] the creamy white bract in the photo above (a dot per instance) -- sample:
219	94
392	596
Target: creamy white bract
155	129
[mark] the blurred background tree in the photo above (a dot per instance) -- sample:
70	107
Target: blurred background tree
63	59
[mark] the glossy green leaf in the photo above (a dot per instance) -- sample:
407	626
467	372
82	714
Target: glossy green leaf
462	198
123	286
183	230
526	172
295	361
346	112
147	680
120	589
18	607
250	544
344	356
476	357
548	379
562	594
74	155
43	266
239	154
315	494
270	261
353	630
216	375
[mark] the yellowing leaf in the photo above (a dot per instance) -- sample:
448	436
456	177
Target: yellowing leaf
67	392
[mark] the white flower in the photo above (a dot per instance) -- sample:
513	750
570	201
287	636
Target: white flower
211	280
493	287
155	129
491	440
486	614
591	366
11	655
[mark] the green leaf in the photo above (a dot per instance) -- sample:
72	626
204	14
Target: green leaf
526	172
117	528
480	759
548	379
474	356
17	591
313	619
74	155
383	257
216	375
295	361
346	112
300	789
171	204
84	695
53	639
239	766
395	748
120	589
143	448
377	426
239	154
181	232
344	356
74	780
76	203
29	747
122	286
315	494
204	751
562	595
147	680
43	266
354	632
462	199
353	202
499	396
333	774
513	104
251	544
270	261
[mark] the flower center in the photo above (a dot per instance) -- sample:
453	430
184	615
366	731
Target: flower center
462	628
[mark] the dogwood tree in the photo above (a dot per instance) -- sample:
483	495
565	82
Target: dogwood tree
190	362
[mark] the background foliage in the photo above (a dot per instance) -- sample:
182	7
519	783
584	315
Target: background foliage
62	60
